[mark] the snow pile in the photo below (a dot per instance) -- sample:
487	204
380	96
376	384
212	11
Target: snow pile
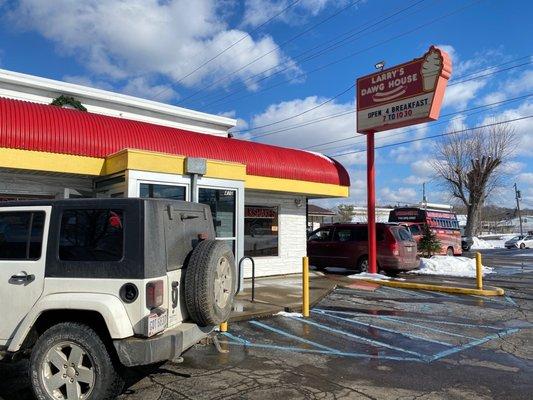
480	244
449	266
290	314
367	275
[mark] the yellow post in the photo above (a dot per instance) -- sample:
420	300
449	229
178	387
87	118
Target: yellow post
305	287
224	327
479	272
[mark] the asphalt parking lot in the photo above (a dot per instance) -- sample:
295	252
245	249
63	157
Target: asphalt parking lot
360	342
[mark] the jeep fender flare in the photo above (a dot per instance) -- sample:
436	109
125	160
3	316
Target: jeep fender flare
108	306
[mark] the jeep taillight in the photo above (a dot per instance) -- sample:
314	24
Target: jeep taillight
154	294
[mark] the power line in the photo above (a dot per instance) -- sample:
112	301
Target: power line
299	114
291	39
405	33
350	111
490	106
227	48
313	55
439	135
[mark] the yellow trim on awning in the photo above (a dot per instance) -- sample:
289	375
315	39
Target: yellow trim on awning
140	160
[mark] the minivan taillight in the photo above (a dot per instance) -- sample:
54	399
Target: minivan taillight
391	243
394	248
154	294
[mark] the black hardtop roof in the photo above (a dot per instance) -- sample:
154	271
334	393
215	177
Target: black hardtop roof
100	202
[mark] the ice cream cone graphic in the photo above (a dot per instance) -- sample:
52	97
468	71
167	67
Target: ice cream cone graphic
431	68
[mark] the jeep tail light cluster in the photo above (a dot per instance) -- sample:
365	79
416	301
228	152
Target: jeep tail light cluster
154	294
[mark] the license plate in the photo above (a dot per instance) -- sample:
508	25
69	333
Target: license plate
157	322
409	249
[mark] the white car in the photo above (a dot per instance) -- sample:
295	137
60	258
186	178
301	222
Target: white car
522	242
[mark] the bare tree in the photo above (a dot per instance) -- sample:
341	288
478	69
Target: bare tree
470	165
345	212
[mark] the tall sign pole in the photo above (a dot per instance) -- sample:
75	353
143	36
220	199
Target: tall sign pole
407	94
371	203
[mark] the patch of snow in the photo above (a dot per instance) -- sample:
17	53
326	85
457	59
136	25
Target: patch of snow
480	244
450	266
367	275
290	314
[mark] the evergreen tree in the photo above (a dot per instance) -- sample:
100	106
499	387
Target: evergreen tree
429	244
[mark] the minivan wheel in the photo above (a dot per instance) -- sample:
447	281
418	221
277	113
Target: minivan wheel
449	251
210	283
70	361
522	246
362	264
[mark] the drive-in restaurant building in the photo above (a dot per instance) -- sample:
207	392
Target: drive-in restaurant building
124	146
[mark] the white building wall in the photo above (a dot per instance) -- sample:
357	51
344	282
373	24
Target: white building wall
292	238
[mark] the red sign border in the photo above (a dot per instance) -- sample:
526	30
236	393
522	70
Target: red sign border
438	93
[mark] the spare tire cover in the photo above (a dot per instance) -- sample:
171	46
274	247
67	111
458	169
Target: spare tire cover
210	283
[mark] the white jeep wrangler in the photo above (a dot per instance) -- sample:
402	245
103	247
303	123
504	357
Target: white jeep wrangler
89	286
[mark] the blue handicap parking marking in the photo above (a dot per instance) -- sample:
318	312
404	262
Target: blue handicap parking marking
379	342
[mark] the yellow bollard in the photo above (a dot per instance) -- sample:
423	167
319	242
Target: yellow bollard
224	327
479	271
305	287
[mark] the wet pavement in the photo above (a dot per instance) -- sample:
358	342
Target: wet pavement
360	343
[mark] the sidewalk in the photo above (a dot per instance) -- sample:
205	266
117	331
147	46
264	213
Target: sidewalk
279	293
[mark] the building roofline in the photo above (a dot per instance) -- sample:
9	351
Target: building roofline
36	82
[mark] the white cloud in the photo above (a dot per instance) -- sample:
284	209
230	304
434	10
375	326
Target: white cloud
523	128
303	136
422	168
256	12
401	195
141	87
458	96
525	178
131	38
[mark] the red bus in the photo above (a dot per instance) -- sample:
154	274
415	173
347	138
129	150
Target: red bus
443	223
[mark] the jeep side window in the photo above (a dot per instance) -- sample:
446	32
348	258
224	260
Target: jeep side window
21	235
91	235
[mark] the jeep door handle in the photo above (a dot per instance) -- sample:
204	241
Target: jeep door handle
21	278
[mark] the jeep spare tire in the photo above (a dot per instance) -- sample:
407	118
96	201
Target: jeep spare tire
210	283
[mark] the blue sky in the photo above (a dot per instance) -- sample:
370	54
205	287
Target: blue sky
294	62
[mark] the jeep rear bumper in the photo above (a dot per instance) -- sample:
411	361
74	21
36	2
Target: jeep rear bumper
165	346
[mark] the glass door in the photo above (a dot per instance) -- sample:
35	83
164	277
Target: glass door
223	204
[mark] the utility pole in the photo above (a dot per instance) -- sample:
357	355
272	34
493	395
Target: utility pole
518	197
424	199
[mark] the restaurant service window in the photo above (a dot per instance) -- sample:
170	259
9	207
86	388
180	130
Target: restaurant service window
261	231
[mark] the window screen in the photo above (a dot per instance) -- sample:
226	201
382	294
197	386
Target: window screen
92	235
21	235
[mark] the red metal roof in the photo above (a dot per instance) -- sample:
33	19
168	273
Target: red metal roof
31	126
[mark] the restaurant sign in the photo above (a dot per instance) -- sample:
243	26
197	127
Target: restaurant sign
407	94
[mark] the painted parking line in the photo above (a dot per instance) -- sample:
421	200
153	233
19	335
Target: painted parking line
404	291
291	336
408	335
474	343
401	317
243	342
356	337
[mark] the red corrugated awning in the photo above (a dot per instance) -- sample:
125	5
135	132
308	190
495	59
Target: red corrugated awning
37	127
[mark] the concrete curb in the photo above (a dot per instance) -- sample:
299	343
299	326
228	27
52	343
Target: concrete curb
490	291
276	308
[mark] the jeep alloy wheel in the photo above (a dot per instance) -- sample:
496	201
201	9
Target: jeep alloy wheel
67	372
70	361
